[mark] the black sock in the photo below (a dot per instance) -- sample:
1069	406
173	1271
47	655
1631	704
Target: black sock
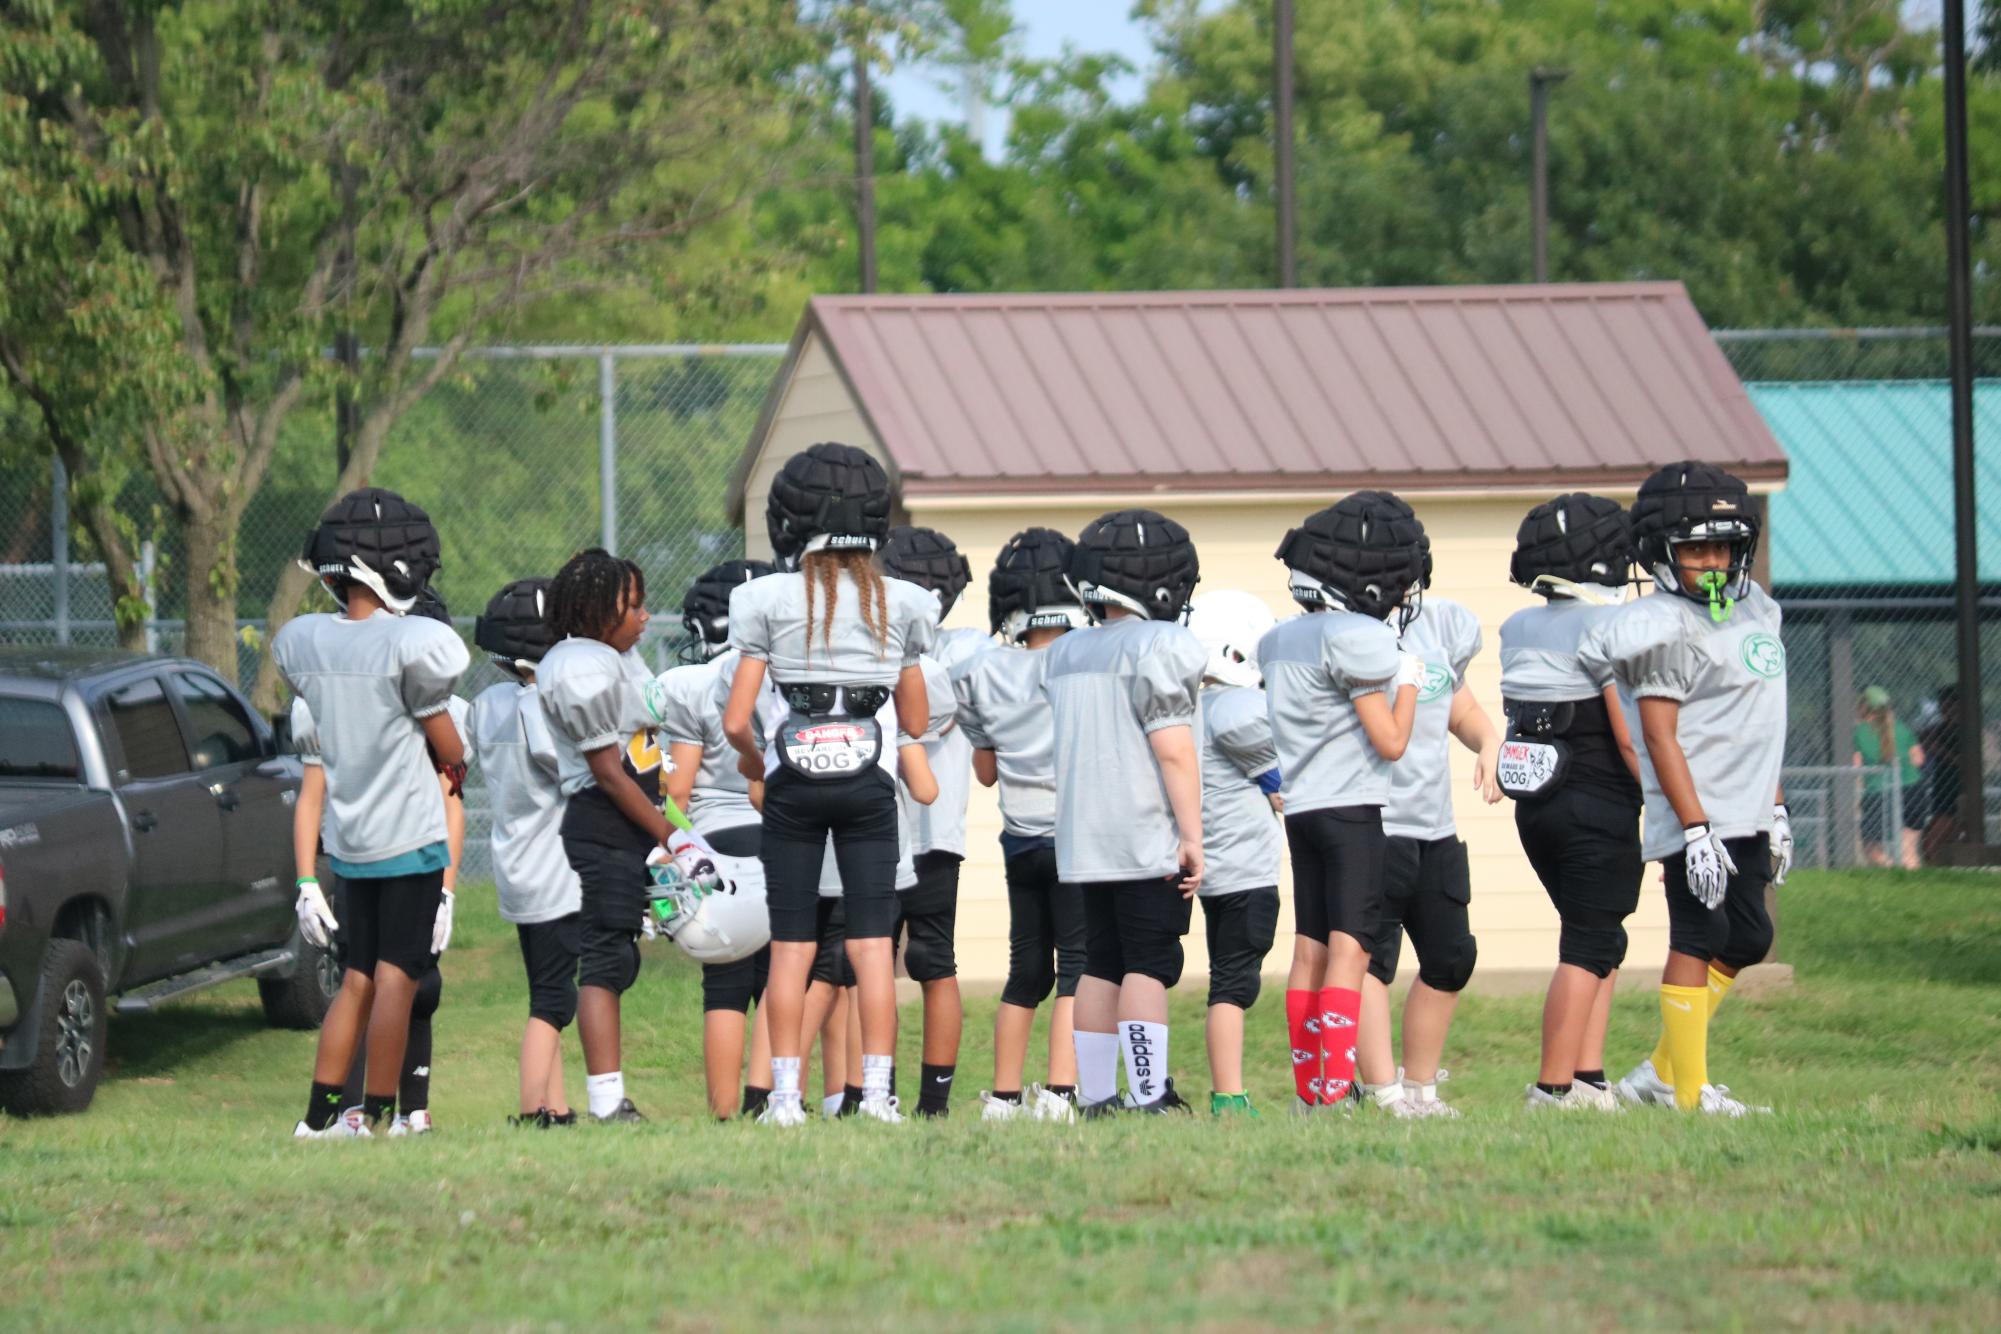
1064	1091
1557	1090
322	1105
1595	1078
1010	1095
934	1093
851	1101
754	1099
414	1089
375	1106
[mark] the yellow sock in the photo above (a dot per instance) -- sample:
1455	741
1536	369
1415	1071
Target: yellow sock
1719	987
1685	1021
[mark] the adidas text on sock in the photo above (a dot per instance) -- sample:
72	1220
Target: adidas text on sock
1144	1044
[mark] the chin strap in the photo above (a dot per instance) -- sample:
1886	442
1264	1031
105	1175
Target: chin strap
1712	583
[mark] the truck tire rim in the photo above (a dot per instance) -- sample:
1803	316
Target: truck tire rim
76	1023
327	970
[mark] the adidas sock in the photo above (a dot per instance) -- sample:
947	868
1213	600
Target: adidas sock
785	1078
1685	1025
605	1092
1302	1024
878	1073
1595	1078
754	1099
322	1105
1719	987
1340	1013
1097	1065
376	1106
934	1089
1145	1046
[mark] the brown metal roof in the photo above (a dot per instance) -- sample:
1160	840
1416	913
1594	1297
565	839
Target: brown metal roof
1557	385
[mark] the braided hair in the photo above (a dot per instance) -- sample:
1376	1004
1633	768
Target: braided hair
588	595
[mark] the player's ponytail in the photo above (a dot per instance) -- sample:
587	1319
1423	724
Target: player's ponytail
822	571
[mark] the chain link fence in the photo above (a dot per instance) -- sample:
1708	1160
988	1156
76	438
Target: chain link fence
1860	546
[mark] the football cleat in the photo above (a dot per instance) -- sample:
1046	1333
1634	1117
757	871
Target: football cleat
1643	1088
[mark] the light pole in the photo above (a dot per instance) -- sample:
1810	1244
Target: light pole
1282	99
864	167
1540	80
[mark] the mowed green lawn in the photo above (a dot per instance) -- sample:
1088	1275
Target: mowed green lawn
1872	1198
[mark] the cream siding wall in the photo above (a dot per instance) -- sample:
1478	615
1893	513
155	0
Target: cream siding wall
1471	541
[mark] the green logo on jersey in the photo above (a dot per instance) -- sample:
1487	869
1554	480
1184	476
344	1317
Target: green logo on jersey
1764	655
1437	682
654	696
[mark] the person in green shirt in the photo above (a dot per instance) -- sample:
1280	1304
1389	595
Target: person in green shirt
1881	740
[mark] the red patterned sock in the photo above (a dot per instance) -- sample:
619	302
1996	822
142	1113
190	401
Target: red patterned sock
1302	1024
1340	1012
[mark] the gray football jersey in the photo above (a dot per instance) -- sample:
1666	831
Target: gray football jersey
1731	682
524	793
1242	841
688	703
1447	636
593	696
1002	709
1109	689
1539	662
941	826
768	622
366	684
1315	666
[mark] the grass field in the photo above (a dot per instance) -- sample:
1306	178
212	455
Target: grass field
1872	1198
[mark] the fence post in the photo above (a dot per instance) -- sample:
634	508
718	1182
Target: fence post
59	543
1842	693
608	451
148	555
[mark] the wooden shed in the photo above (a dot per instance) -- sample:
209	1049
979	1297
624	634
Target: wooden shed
1240	412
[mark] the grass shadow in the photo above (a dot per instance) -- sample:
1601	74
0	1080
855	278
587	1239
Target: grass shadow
163	1041
1870	924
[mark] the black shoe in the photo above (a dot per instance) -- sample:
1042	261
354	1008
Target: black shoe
1168	1101
568	1118
933	1113
539	1119
849	1107
624	1112
1112	1106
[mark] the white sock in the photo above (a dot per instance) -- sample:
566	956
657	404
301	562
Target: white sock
1097	1065
830	1106
1421	1092
785	1077
875	1075
1385	1094
606	1092
1145	1047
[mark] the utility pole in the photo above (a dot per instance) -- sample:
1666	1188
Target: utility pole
864	166
1282	103
1540	80
1966	573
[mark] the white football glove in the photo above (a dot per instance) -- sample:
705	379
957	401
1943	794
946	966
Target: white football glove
647	930
316	919
1782	843
1709	865
441	928
1410	671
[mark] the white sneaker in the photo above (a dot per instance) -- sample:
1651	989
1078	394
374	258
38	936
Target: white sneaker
882	1107
416	1123
999	1109
1597	1099
1644	1088
1394	1100
350	1124
1540	1101
782	1111
1716	1101
1045	1105
1424	1098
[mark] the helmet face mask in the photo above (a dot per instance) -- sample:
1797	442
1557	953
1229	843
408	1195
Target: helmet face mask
1230	623
1688	504
1138	560
705	608
375	538
828	497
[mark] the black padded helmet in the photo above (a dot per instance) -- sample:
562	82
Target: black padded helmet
929	559
376	539
1576	538
1137	559
705	611
513	628
1366	553
1690	502
1030	586
827	497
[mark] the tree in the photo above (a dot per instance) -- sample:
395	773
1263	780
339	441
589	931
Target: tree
202	195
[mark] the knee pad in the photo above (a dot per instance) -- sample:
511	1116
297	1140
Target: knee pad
1383	959
1454	969
430	989
1235	986
554	1006
1749	943
729	986
1029	983
929	957
1069	971
1596	948
1160	960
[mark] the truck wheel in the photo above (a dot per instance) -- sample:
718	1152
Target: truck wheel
301	1000
69	1056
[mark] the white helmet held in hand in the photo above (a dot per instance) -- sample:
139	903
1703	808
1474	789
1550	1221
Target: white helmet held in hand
720	919
1230	623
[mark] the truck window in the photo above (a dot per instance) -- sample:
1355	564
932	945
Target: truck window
35	740
148	735
221	729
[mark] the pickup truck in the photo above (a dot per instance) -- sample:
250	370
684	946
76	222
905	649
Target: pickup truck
145	852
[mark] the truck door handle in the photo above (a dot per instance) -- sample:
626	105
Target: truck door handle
145	821
226	797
